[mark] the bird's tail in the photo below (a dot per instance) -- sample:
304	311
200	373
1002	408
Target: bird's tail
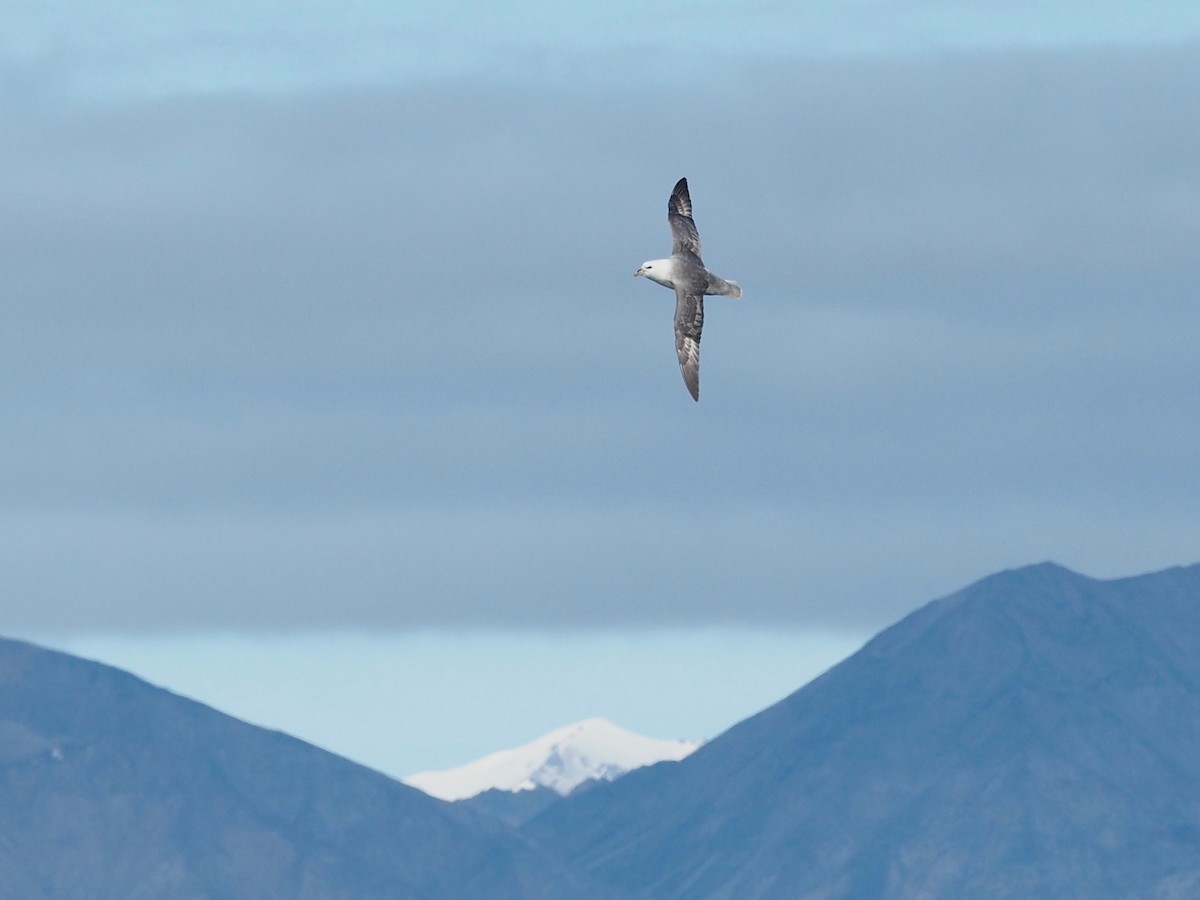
725	288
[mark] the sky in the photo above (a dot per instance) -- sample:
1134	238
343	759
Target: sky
330	399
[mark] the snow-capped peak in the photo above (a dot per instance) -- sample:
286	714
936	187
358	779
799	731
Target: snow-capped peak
561	760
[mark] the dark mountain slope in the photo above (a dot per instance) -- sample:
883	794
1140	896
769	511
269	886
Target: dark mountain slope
512	807
1035	735
111	788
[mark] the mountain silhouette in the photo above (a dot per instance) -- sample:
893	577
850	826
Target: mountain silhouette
1036	734
112	788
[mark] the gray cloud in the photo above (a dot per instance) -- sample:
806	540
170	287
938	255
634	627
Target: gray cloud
375	357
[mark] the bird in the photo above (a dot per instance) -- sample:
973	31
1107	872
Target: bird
684	272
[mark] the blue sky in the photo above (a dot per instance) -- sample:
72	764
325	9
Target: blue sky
322	347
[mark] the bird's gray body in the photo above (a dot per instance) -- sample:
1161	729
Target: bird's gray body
684	272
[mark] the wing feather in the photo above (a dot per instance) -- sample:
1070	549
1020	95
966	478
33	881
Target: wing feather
689	321
684	236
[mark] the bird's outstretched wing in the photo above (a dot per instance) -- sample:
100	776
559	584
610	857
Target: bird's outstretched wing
684	236
689	320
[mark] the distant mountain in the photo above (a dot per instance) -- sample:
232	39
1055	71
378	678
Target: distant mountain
1036	735
591	750
112	788
514	808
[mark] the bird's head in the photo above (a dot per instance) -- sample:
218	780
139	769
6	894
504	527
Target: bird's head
657	270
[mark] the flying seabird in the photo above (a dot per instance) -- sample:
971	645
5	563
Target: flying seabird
684	272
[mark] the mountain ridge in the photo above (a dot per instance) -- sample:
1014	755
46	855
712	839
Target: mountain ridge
1031	735
1035	708
561	760
113	788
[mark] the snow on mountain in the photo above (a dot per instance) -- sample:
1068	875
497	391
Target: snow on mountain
590	750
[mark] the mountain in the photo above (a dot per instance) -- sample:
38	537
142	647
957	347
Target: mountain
1032	736
513	808
1035	735
112	788
562	760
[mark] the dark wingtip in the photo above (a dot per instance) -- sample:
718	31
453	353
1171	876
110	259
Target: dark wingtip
681	200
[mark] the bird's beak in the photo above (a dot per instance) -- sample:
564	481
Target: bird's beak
639	272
